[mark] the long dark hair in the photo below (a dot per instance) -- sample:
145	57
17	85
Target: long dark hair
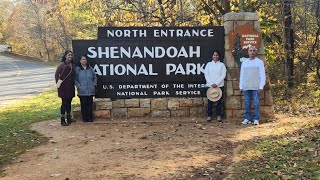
63	59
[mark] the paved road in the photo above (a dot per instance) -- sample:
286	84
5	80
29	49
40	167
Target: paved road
21	79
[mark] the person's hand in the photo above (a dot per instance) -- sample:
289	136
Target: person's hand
241	91
260	90
214	85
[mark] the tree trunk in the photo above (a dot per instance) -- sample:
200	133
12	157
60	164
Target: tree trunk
289	41
241	7
162	14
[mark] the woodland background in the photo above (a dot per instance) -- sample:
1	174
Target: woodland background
290	31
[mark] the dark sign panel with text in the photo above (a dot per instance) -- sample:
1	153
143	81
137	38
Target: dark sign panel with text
145	62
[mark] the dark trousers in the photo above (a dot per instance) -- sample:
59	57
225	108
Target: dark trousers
218	105
86	107
65	106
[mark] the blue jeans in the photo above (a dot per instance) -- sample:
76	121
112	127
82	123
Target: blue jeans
248	96
218	105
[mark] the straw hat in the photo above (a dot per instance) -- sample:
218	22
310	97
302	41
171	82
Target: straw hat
214	94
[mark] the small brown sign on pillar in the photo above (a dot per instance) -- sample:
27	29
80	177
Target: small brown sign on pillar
241	39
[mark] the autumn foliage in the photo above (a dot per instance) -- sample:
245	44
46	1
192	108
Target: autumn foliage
45	28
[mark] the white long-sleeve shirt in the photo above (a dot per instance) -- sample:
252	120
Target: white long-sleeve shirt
215	73
252	75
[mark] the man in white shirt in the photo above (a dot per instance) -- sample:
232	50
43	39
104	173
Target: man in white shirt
215	73
252	81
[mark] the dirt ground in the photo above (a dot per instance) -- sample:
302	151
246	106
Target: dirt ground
187	148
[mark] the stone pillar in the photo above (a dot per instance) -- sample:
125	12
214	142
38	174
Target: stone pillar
234	101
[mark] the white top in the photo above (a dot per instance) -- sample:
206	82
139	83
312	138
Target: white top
252	75
215	72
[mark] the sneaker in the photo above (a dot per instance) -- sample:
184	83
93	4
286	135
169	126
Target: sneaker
219	118
246	121
256	122
209	118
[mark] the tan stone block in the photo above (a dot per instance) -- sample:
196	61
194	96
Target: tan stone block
238	114
145	103
198	111
267	112
229	89
226	46
156	113
242	104
228	77
205	101
228	26
138	112
173	104
262	95
183	112
257	26
197	102
228	114
241	23
251	16
100	105
229	60
76	113
237	92
185	102
268	98
101	114
233	16
159	104
268	84
233	102
119	113
119	103
94	104
261	51
132	102
235	85
234	74
102	99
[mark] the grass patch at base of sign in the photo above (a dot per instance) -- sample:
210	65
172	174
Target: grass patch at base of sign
15	120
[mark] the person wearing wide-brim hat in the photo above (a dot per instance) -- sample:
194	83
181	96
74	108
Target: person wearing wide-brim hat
215	73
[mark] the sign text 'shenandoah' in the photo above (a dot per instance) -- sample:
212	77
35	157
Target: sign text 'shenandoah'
143	52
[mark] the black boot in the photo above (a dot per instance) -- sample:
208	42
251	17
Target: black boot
63	122
69	119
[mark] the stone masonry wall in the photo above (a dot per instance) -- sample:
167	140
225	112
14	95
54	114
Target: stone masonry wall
234	101
150	107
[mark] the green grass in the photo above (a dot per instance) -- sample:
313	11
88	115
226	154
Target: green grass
15	134
294	155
